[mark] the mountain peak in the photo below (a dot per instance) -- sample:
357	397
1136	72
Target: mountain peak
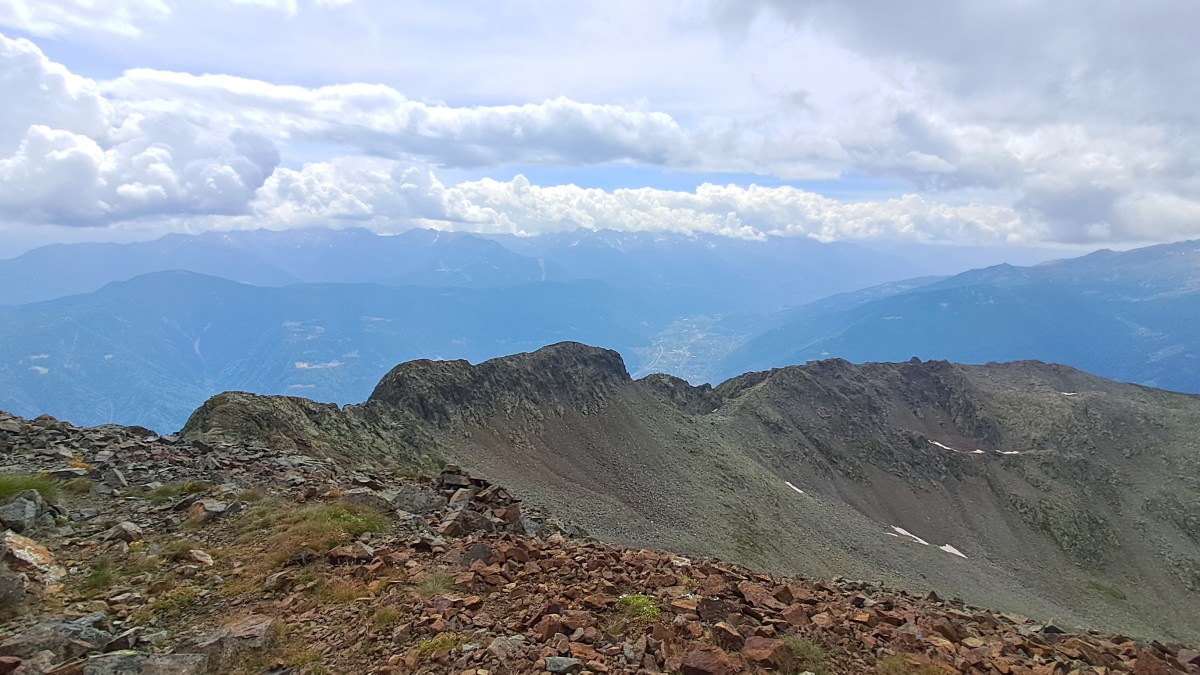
566	372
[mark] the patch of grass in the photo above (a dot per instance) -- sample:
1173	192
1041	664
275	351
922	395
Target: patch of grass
142	563
165	493
178	549
276	526
809	654
639	607
254	494
343	591
385	616
442	643
102	574
14	483
76	462
271	530
438	583
306	658
168	604
78	486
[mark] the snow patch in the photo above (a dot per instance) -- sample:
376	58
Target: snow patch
903	532
1009	452
944	447
793	486
953	551
39	370
1069	393
976	451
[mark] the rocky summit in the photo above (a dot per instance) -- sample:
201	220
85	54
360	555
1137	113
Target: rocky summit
546	513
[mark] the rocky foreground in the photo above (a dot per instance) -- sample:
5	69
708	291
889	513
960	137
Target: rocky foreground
126	552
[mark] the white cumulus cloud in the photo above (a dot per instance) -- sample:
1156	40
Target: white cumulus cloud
388	193
70	156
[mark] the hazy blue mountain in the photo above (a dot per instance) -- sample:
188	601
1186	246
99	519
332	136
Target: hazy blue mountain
1131	316
270	258
149	350
707	274
681	274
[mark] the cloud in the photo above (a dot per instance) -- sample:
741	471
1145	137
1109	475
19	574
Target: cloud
392	195
54	17
1075	112
70	156
378	120
127	18
304	365
1001	122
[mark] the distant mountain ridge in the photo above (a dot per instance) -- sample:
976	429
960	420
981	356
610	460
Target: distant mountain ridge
685	274
1132	316
149	350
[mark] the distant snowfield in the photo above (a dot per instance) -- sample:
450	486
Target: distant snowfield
976	451
1069	393
901	532
793	487
950	549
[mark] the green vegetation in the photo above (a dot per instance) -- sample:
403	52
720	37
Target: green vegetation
254	494
14	483
165	493
270	531
78	486
639	607
438	583
168	604
809	655
178	549
342	591
273	525
442	643
385	616
102	574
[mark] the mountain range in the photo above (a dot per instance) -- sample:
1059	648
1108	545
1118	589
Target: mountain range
1132	316
143	333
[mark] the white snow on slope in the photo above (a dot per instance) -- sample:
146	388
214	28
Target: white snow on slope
903	532
950	549
794	487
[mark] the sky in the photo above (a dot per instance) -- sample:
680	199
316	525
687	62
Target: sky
1003	123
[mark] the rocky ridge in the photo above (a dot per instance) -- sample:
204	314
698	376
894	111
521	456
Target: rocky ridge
813	469
151	554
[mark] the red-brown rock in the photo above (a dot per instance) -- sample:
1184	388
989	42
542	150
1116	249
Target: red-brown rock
708	661
770	653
